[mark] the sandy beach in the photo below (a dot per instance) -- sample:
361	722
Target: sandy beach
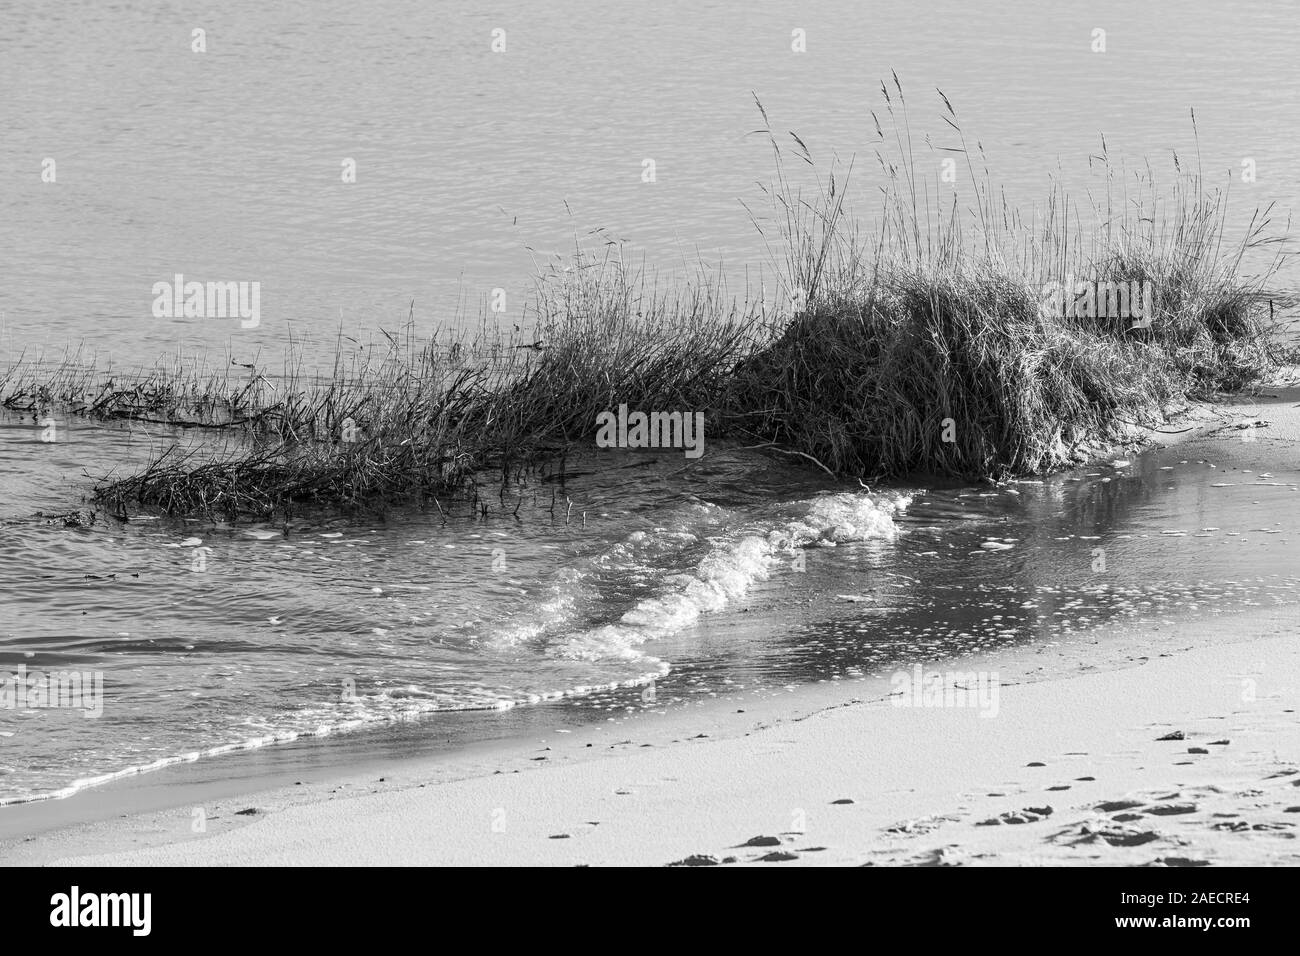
1189	756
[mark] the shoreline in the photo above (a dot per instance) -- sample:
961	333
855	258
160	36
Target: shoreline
136	817
665	786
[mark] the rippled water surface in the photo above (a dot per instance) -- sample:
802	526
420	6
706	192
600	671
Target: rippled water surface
472	165
472	169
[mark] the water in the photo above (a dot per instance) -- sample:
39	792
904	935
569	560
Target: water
472	165
737	572
472	169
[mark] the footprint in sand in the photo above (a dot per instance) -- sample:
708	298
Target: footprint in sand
920	826
1231	826
940	856
1111	835
1110	806
1027	815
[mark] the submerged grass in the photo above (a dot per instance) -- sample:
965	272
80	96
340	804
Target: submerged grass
924	345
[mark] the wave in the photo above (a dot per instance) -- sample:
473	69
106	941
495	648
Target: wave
703	558
731	566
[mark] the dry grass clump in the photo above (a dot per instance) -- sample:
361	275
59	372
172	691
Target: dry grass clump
923	344
933	344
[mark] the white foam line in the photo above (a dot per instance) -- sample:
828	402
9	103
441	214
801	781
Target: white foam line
328	730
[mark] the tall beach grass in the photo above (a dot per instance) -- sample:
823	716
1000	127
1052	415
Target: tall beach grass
908	336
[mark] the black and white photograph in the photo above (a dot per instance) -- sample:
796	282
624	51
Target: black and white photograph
661	435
